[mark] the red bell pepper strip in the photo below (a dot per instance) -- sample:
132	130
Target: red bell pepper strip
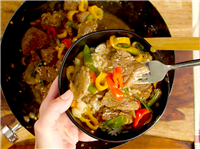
67	43
51	31
117	77
142	116
93	76
139	104
118	94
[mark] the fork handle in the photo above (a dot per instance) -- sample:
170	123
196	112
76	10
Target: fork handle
185	64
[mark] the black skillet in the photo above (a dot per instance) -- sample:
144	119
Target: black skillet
141	16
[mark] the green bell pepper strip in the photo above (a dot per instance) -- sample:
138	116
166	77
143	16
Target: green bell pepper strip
145	105
94	69
140	49
157	95
92	89
87	56
116	122
72	24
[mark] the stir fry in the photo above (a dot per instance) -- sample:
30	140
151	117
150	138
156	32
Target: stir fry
102	80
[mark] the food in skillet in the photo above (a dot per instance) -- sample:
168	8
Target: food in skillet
50	36
102	80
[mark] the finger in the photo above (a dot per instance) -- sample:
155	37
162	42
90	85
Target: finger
52	94
84	137
56	107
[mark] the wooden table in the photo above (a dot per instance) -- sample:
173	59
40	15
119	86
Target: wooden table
176	127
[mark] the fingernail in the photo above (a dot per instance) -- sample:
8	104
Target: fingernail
66	95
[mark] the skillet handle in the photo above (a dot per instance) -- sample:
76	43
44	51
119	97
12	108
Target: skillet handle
8	136
5	143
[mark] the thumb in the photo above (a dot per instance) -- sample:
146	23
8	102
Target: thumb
56	107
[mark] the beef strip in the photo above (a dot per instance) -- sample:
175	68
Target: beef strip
80	86
49	56
34	39
70	5
27	75
81	16
46	73
126	104
46	20
141	91
86	27
132	70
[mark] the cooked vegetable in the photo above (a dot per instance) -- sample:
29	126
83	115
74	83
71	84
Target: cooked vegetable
92	89
51	31
82	108
87	56
93	76
142	116
156	96
100	82
116	122
67	43
96	12
83	5
60	49
70	15
117	77
94	69
63	34
117	93
122	43
72	24
145	105
69	72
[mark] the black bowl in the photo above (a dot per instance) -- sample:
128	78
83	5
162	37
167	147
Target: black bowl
92	40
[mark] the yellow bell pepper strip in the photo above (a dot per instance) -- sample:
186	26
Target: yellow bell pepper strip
92	89
101	83
153	49
156	96
70	14
87	56
72	25
57	41
82	108
145	105
124	42
63	34
96	12
69	72
78	114
118	78
60	49
108	45
142	115
93	76
118	41
139	57
67	43
116	122
83	5
117	93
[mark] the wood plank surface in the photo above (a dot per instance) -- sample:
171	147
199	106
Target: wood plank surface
176	127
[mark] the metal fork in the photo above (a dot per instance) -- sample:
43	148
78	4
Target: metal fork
158	70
